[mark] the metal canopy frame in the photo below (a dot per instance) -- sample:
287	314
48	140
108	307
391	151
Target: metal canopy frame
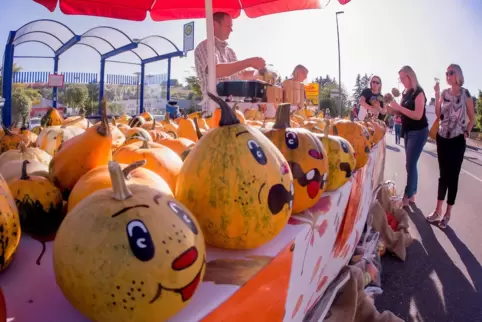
107	41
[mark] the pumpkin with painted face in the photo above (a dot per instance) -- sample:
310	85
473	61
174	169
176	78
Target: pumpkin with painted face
305	155
144	257
358	137
341	158
237	184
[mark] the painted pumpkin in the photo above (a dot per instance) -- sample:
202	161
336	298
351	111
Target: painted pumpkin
10	224
160	159
237	184
52	117
11	141
39	203
306	157
358	137
24	153
81	154
52	137
371	132
13	169
144	259
99	178
341	159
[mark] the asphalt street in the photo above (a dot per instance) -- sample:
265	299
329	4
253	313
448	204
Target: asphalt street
441	279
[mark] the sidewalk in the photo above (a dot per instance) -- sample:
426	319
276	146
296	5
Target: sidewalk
474	144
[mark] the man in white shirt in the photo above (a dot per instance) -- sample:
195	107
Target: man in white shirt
228	67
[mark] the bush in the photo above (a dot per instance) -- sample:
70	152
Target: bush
21	105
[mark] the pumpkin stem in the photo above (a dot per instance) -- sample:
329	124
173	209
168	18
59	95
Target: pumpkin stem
228	116
145	145
198	131
326	130
114	122
127	170
6	130
119	186
167	117
154	124
282	118
24	175
104	129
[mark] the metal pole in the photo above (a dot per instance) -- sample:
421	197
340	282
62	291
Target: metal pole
339	63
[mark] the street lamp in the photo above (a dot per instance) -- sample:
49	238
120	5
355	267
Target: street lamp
339	61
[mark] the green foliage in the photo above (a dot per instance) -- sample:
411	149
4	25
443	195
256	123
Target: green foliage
194	85
327	100
75	95
115	108
21	105
478	111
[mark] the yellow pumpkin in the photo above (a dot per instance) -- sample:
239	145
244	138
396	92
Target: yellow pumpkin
143	259
237	184
358	137
11	141
39	203
51	118
341	159
306	157
10	223
52	137
160	159
24	153
99	178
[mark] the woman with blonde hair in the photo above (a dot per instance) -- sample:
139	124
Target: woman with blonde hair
414	125
452	108
371	100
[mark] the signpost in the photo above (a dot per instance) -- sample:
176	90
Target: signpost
312	91
188	37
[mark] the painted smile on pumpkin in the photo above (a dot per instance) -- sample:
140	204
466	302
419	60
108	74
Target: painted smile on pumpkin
187	291
278	197
312	180
344	166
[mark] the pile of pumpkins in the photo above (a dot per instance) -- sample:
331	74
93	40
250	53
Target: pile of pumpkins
131	202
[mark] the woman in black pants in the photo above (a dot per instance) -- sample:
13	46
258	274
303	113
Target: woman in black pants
453	107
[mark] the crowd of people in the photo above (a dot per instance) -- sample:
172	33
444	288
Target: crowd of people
454	109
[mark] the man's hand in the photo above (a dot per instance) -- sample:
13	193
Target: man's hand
256	62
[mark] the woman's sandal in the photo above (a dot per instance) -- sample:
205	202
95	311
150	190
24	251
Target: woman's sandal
433	217
444	222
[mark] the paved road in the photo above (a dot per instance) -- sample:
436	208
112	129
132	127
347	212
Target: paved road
441	280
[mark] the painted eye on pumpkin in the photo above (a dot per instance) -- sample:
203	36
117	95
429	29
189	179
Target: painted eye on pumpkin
315	154
140	240
344	146
185	218
291	140
257	152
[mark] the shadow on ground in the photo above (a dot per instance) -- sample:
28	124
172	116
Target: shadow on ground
432	283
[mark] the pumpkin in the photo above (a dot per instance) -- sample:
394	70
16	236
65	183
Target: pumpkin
37	129
358	137
11	141
237	184
136	121
341	159
13	169
187	129
147	116
78	121
168	124
10	223
239	114
160	159
371	132
178	145
99	178
306	157
39	203
144	257
30	137
123	119
81	154
24	153
52	117
215	118
52	137
137	134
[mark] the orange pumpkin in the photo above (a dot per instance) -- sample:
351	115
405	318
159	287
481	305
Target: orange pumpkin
99	178
187	129
168	124
160	159
178	145
11	141
52	117
358	137
306	157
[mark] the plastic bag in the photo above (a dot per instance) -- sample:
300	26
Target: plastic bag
367	258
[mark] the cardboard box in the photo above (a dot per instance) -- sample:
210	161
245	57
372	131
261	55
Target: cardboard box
274	94
293	92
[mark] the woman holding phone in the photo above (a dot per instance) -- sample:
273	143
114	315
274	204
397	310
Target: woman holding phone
415	127
453	106
371	100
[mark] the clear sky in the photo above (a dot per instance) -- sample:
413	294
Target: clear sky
377	36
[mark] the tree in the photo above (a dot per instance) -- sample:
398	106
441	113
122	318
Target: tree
365	81
115	108
75	95
21	105
357	89
329	85
195	85
478	111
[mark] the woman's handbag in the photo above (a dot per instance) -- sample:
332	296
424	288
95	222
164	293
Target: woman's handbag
434	129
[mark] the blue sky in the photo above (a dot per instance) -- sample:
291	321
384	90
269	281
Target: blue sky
377	36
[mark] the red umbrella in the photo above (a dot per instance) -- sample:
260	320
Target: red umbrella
179	9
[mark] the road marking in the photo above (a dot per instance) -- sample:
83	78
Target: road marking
470	174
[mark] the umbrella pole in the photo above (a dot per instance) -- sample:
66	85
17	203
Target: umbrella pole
211	58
